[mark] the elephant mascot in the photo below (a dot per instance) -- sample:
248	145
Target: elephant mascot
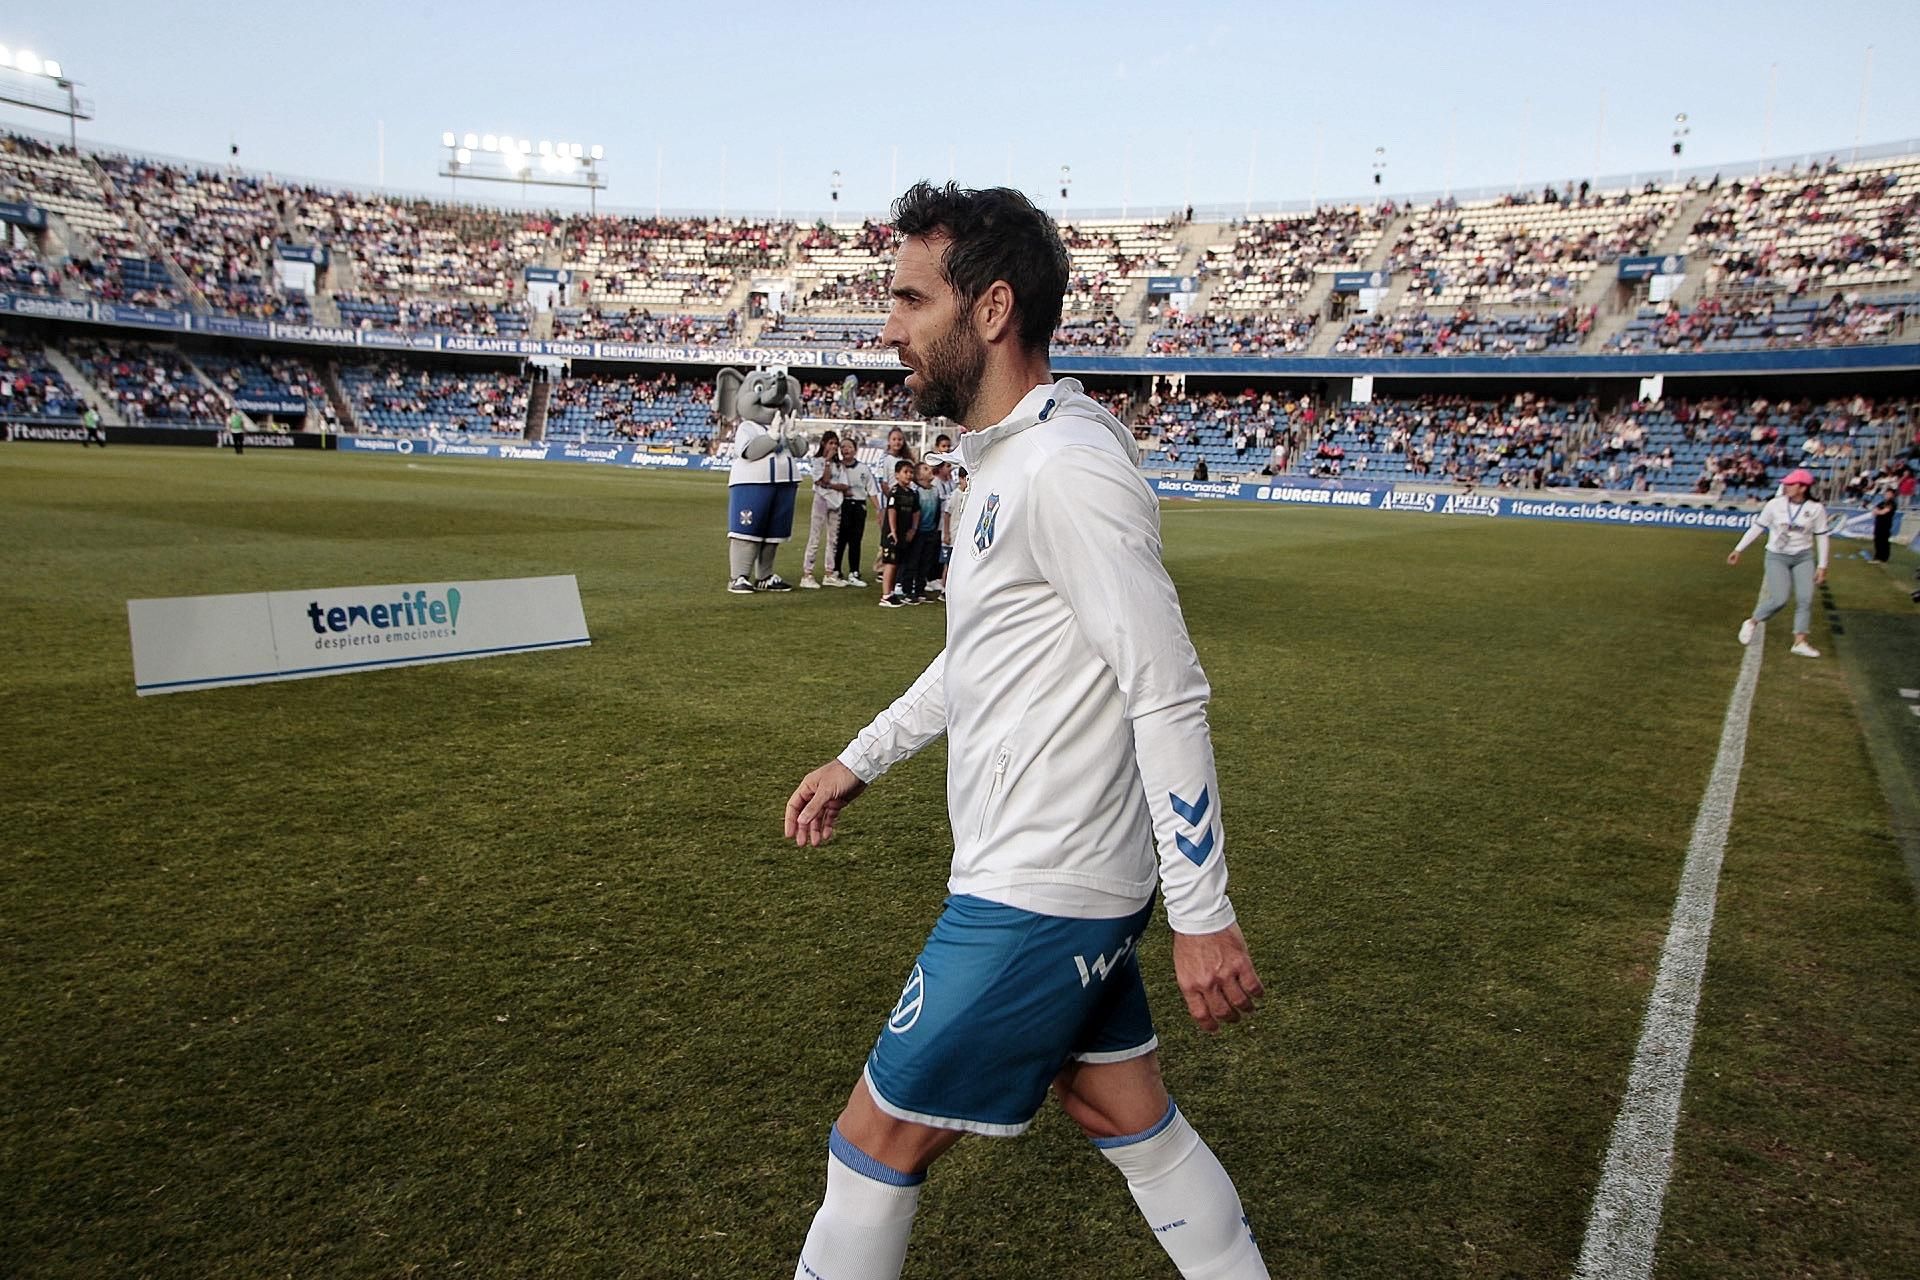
763	481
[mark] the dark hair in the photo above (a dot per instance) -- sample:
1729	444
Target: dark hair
904	462
825	436
993	234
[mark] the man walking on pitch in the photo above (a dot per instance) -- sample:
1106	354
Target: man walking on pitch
236	431
1075	713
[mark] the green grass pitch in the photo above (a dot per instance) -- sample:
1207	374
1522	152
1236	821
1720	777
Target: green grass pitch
501	968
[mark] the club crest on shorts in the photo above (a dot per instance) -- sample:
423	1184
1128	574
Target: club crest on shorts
983	530
913	997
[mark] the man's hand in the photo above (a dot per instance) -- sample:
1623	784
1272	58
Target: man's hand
1820	577
1216	976
1733	557
818	800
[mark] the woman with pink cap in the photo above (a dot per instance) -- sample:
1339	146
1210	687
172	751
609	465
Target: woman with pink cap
1795	526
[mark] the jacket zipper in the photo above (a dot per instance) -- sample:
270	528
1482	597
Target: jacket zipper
993	792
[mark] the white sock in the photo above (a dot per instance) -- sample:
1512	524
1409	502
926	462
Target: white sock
861	1230
1188	1200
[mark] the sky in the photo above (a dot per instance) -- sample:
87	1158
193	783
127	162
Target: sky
752	106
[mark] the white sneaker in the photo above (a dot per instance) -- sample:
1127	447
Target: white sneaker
1746	631
1804	650
808	584
831	580
855	580
741	586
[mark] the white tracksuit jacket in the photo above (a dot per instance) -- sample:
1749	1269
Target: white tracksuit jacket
1072	700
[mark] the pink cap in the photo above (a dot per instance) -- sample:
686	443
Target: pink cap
1799	475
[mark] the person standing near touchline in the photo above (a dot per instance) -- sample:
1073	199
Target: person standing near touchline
1079	765
853	516
1796	526
829	491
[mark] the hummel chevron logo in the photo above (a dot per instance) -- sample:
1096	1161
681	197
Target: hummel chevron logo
1196	852
1191	813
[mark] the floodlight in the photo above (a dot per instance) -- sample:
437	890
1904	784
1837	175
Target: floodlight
6	56
52	68
489	143
446	139
463	155
27	62
470	141
546	148
526	148
599	152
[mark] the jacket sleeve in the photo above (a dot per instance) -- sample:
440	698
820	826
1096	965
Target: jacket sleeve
916	718
1096	538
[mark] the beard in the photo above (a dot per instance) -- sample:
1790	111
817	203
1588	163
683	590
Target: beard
950	373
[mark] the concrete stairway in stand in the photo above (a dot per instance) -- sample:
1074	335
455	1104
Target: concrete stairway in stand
337	397
109	411
537	400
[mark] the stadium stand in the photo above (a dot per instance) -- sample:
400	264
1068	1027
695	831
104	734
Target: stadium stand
150	384
843	267
1466	332
823	332
888	402
643	326
1522	249
29	386
1105	258
1272	261
1757	321
658	409
1232	432
430	315
1519	442
404	248
1792	259
265	376
425	265
389	396
217	227
1837	226
670	263
1207	333
1090	335
22	271
1735	448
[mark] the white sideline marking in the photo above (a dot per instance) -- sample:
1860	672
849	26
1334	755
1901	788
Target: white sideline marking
1625	1222
1910	693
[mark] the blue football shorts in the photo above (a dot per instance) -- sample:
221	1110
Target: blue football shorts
761	512
998	1002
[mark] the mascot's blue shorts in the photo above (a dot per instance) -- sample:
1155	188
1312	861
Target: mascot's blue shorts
762	512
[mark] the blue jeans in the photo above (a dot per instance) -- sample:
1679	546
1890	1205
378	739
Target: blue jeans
1788	573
